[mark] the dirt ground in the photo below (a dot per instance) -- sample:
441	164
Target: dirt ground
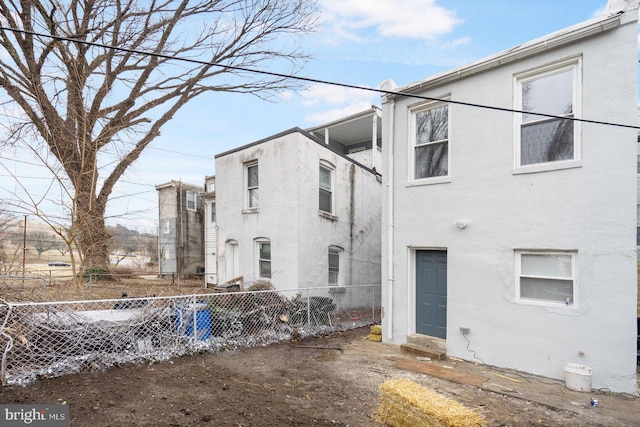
321	381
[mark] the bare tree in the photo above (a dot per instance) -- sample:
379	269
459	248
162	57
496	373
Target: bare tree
9	252
96	108
123	242
149	244
62	248
42	241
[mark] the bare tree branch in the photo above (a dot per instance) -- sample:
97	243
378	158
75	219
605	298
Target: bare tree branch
83	99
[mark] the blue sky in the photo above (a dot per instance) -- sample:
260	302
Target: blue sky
361	42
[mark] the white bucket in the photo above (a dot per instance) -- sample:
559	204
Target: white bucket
577	377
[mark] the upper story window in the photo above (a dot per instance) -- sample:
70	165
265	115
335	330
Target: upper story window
263	257
325	203
552	90
430	141
167	226
191	200
211	187
546	276
251	174
213	211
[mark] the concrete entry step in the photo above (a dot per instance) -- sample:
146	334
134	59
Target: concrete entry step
425	346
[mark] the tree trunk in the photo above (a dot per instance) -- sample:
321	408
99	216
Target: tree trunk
90	101
93	238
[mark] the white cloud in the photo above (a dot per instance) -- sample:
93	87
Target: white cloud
413	19
286	95
336	113
336	95
614	6
330	103
454	44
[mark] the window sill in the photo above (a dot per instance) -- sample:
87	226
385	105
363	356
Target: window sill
546	167
429	181
547	304
250	210
327	215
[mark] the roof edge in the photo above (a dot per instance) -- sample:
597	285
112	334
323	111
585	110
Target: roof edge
305	134
260	141
374	109
177	183
541	44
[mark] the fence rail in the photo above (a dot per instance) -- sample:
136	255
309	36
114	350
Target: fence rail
49	339
94	286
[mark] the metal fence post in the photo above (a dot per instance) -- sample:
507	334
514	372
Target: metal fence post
91	286
194	317
44	289
3	364
308	309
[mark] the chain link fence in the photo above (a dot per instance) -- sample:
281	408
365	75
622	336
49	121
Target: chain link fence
93	286
23	288
48	339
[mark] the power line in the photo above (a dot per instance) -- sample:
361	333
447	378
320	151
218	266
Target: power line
132	143
23	161
25	177
314	80
118	194
46	167
67	218
178	152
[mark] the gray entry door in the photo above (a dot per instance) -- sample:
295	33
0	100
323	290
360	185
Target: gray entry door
431	293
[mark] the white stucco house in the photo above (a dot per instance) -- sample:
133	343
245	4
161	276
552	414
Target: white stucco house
210	231
296	209
508	236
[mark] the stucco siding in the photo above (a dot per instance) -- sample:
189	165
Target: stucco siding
355	228
181	232
276	218
289	217
588	209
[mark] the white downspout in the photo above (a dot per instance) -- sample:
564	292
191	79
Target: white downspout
374	141
390	225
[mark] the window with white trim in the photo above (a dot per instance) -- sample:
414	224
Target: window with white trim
546	276
213	211
638	228
325	198
335	258
263	258
167	226
430	132
251	177
191	200
554	90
